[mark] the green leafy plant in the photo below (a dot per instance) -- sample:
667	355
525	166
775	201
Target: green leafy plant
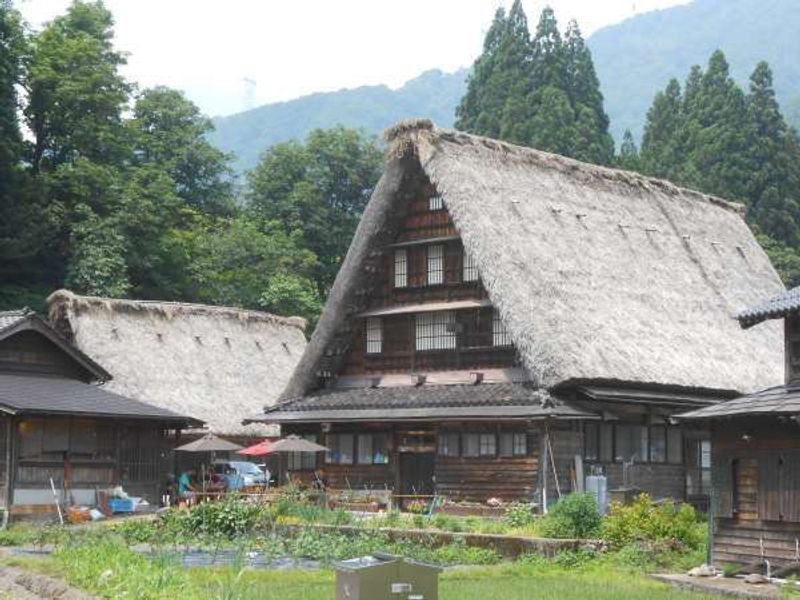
520	514
574	516
676	525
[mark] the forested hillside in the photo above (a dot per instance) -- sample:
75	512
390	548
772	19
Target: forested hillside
633	60
372	108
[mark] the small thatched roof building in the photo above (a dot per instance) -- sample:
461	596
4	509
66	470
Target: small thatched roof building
216	364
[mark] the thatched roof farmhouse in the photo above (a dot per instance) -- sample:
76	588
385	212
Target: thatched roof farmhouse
599	301
216	364
598	274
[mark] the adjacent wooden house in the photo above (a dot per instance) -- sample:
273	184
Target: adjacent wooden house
59	421
217	364
756	455
508	321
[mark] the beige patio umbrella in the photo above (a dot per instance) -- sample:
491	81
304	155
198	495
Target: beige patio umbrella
294	443
208	443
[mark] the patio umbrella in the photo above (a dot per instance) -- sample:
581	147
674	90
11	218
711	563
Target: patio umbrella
209	443
294	443
262	448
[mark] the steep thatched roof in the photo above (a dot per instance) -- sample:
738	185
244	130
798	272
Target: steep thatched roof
598	274
217	364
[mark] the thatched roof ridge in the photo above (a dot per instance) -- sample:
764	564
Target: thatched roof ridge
216	364
410	133
598	274
165	309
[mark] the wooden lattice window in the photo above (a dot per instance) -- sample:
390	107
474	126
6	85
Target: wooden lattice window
435	264
435	331
400	268
435	203
500	335
470	268
374	335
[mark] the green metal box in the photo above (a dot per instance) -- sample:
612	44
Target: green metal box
386	577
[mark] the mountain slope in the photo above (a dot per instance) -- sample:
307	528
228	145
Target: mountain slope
637	57
433	94
634	59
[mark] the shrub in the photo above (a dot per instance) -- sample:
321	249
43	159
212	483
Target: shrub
574	516
676	525
574	559
227	518
520	514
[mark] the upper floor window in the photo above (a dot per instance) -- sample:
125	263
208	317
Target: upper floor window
435	203
435	331
435	264
500	335
470	269
400	268
374	335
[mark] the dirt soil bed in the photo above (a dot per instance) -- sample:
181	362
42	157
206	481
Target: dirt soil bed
20	584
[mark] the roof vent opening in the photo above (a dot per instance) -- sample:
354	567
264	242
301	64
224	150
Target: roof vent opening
160	337
198	339
258	345
228	342
286	347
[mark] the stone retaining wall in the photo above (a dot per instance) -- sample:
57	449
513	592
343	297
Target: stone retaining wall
508	546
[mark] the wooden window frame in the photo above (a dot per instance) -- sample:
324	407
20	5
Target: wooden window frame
435	203
500	336
373	335
435	331
400	268
469	268
435	264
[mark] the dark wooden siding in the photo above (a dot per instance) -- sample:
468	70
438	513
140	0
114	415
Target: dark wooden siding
756	472
477	479
31	351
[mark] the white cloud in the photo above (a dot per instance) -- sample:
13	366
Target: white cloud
207	48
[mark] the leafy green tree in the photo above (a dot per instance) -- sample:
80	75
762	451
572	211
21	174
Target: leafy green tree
98	267
170	132
76	93
289	294
233	262
318	189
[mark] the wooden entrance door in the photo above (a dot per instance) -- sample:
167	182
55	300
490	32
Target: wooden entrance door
416	472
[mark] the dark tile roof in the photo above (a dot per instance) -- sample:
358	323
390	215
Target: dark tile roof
774	308
779	400
42	394
428	401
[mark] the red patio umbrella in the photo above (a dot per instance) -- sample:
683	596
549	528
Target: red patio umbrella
262	448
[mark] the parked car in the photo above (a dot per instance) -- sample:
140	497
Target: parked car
240	473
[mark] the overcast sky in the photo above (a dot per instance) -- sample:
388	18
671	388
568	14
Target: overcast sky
208	48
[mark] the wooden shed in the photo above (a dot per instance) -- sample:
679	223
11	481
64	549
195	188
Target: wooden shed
60	422
756	455
507	319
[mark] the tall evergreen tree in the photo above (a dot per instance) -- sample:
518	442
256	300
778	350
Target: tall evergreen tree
661	154
773	177
499	84
628	157
540	92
